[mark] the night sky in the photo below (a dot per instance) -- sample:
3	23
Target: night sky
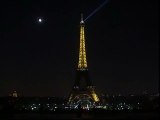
40	59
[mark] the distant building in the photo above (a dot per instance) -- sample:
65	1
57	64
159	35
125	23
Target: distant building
14	94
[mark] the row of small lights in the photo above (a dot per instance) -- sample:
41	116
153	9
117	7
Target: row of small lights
120	106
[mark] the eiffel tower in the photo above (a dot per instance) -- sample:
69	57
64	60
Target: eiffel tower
83	92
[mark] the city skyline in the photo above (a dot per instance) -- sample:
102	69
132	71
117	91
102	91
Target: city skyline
40	58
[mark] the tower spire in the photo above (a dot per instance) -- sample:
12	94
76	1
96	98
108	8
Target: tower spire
82	63
82	18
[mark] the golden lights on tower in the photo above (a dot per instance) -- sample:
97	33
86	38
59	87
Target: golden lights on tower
82	63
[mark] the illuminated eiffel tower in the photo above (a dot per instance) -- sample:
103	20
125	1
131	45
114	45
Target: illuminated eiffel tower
83	92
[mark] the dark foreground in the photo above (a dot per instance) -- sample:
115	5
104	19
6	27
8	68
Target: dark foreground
120	107
81	115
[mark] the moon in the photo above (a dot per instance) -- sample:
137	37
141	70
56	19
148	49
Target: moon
40	20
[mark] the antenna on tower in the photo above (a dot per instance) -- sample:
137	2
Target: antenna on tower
82	18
